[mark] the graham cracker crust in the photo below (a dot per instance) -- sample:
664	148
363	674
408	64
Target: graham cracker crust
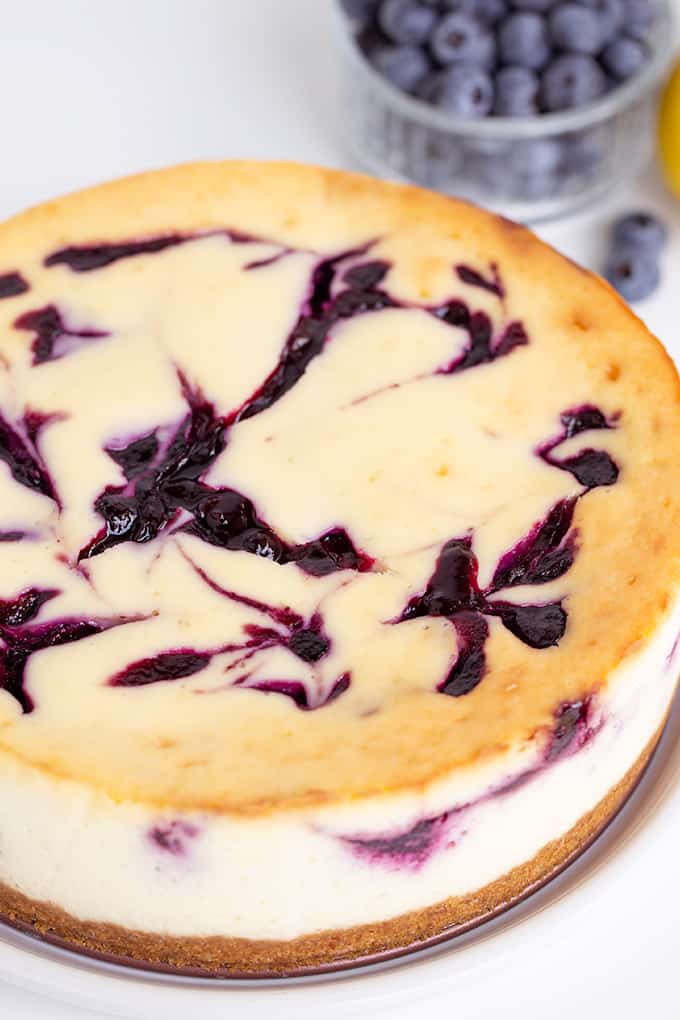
218	956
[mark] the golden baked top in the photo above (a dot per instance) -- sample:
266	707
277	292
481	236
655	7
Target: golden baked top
313	486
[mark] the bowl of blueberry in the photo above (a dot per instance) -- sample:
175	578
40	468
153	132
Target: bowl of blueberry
530	107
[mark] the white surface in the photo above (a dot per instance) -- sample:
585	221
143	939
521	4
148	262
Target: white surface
92	91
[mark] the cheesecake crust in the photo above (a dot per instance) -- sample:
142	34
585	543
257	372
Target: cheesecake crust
326	951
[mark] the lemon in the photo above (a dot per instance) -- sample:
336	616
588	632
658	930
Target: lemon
669	131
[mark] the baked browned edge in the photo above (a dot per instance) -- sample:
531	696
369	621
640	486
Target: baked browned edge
219	956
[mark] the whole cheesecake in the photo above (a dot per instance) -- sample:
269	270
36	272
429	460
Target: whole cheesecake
339	566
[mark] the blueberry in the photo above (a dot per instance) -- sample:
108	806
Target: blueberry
404	21
523	40
572	80
403	66
361	11
611	15
535	187
541	156
575	28
462	90
641	231
492	173
534	5
460	38
624	57
435	158
516	92
488	11
428	88
370	39
639	17
633	273
583	151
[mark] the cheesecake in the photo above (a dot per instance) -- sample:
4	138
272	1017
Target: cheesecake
339	566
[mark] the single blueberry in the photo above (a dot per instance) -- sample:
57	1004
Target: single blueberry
434	158
611	15
461	38
583	151
428	87
633	273
639	17
488	11
516	92
537	156
572	80
523	39
492	173
640	230
624	57
463	90
536	186
575	28
403	66
534	5
406	21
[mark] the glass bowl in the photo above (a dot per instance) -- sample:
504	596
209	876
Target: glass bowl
530	168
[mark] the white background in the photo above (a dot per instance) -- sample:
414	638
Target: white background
92	90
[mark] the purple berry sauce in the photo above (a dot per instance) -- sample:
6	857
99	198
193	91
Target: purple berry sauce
21	638
53	339
575	726
12	285
174	837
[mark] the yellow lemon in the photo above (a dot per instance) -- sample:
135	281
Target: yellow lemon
669	131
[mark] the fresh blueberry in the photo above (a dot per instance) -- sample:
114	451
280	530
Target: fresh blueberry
488	11
403	66
462	90
572	80
639	17
361	11
435	158
540	156
428	87
575	28
534	5
611	15
516	92
535	187
633	273
582	152
641	231
404	21
523	40
624	57
460	38
492	173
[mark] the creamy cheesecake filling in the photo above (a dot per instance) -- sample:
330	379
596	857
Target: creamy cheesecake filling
338	557
279	877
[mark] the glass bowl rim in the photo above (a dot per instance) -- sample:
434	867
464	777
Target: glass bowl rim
537	126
